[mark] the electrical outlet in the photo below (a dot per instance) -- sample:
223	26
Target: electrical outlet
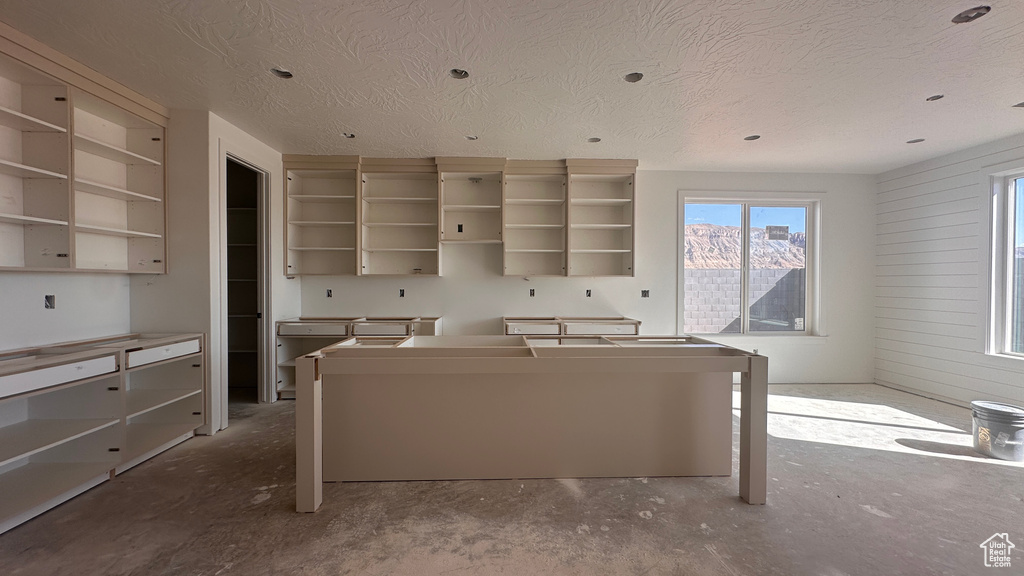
401	292
330	293
532	293
645	293
588	293
460	228
49	302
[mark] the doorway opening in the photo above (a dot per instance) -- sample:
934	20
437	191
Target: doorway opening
245	280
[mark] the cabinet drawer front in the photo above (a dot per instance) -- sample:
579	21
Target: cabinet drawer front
534	329
312	329
593	328
158	353
45	377
382	329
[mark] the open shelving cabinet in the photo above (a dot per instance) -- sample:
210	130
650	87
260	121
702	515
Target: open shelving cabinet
119	188
472	190
81	179
534	241
321	214
601	217
398	215
34	167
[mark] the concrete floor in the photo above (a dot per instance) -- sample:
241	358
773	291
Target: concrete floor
863	480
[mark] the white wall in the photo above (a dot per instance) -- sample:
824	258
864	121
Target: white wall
88	306
472	296
932	278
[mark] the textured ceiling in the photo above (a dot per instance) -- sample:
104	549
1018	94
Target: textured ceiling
831	86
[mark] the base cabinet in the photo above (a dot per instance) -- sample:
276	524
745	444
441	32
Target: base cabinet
73	415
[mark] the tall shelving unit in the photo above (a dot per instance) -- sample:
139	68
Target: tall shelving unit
601	217
398	215
119	188
34	169
471	199
321	214
535	219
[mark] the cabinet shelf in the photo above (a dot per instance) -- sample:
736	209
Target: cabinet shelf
146	400
398	224
242	280
602	226
600	201
145	437
89	229
25	123
37	484
400	250
602	251
321	198
472	208
20	219
241	209
535	201
398	200
534	226
32	436
83	185
534	251
23	171
318	223
110	152
322	248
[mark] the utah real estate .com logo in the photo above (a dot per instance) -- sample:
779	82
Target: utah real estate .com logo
998	550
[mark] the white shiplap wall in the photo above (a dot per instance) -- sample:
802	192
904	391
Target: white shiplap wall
932	278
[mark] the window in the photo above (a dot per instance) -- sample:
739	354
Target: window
1009	265
745	267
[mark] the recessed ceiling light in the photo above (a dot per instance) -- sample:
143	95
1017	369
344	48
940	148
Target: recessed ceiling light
593	140
633	77
348	135
971	15
1019	105
281	73
752	137
458	73
935	97
915	141
472	137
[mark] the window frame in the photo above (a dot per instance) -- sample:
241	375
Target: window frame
812	202
1002	207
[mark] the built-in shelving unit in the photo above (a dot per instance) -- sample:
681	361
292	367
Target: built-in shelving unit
534	240
119	188
399	217
471	199
601	217
72	414
35	204
321	214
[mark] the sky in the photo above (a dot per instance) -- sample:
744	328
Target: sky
729	215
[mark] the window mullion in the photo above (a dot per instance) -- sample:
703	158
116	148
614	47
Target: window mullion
745	269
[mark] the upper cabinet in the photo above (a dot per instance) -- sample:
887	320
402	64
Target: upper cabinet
321	214
534	240
119	188
81	178
471	199
385	216
601	217
399	217
34	167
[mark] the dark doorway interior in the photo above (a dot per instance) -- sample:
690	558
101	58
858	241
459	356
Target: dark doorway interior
243	232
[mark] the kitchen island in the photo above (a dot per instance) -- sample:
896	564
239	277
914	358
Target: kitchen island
480	407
